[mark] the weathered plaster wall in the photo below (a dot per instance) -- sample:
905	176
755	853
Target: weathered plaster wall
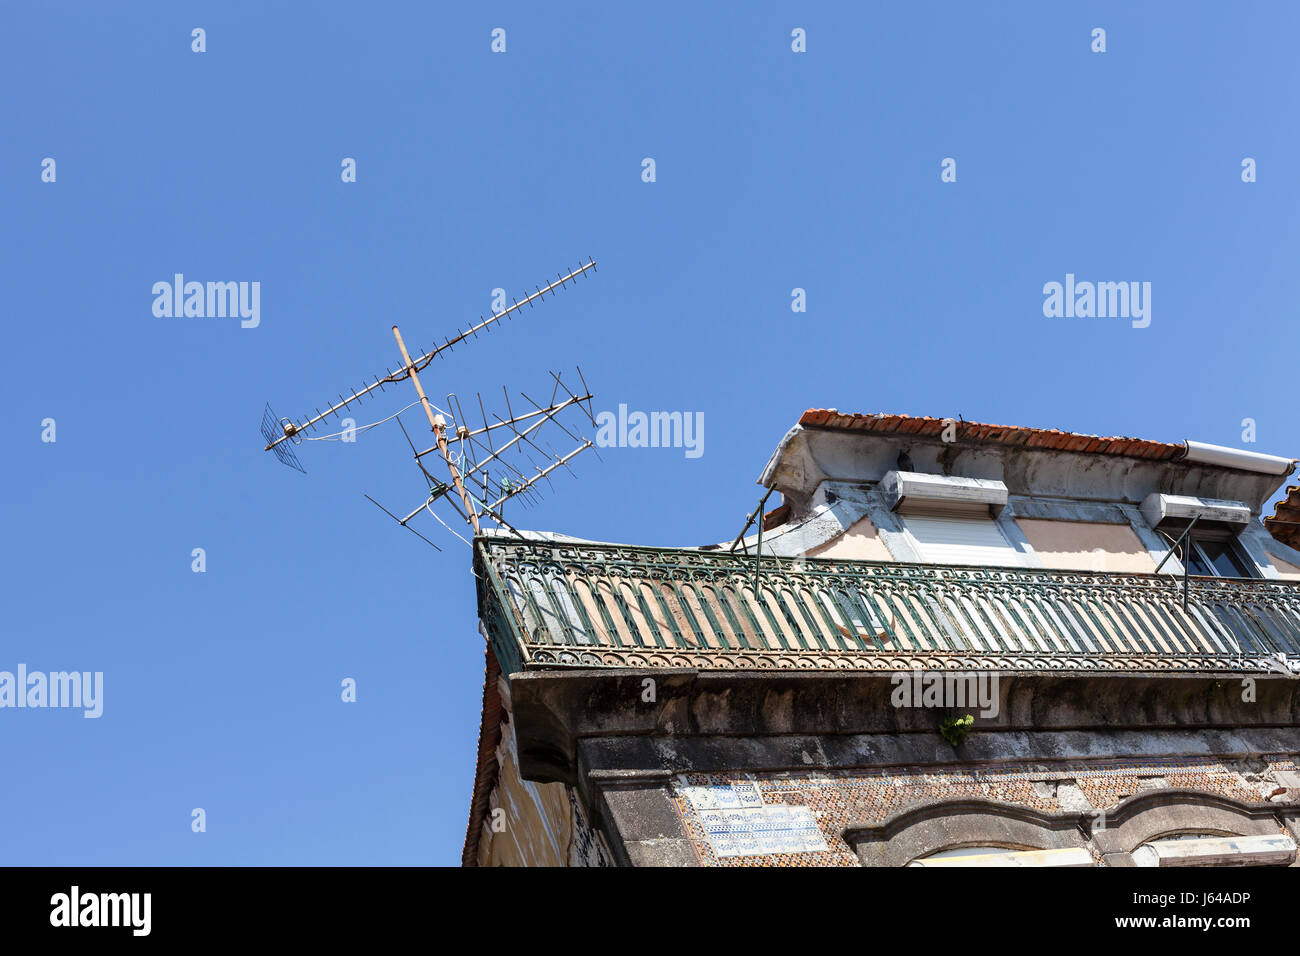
541	824
1087	546
777	747
1287	570
1067	545
809	456
861	542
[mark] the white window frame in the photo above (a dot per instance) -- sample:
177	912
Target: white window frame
1202	850
995	856
1015	558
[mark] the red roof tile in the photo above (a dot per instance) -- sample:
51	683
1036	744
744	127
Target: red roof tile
1284	522
1047	438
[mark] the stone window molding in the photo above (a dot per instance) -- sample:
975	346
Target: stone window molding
938	825
1157	814
1113	836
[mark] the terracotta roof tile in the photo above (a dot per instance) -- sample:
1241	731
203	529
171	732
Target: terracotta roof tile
1284	522
1048	438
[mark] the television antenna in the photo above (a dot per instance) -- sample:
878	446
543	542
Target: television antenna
484	464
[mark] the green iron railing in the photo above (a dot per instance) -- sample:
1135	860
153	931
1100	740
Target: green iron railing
559	604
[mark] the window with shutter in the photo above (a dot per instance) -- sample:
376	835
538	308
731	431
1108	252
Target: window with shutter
961	539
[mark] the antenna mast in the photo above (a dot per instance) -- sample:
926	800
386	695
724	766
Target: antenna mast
438	424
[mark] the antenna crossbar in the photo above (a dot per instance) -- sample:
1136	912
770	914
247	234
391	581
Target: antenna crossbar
549	412
418	364
507	446
403	523
541	473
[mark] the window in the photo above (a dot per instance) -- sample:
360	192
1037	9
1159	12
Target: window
1217	559
950	519
1002	856
965	851
961	539
1207	849
1214	550
1213	553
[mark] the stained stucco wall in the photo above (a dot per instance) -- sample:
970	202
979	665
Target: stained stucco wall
540	824
1068	545
1087	546
860	543
535	825
1289	571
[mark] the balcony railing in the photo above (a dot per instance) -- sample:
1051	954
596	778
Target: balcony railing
552	605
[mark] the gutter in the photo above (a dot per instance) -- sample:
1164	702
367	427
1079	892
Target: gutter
1206	454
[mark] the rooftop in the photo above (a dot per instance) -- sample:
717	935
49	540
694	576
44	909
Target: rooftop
826	445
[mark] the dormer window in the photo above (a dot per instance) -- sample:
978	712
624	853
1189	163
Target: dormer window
950	520
960	538
1212	548
1218	557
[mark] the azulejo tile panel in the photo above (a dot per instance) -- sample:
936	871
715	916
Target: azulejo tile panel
760	830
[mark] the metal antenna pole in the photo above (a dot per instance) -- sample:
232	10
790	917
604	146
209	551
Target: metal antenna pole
1174	546
439	432
1187	554
749	519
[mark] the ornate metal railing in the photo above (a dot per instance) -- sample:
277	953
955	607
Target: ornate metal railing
548	605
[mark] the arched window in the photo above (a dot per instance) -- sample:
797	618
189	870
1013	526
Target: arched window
1216	849
1005	856
970	831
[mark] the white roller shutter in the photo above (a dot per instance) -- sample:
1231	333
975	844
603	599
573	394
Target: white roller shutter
961	540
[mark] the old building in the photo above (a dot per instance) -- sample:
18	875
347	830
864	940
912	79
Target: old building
956	645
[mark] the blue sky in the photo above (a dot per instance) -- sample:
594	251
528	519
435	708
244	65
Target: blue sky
475	170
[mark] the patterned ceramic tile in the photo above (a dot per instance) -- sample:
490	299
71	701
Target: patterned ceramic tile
762	830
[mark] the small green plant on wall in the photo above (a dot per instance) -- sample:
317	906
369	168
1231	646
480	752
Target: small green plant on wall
955	729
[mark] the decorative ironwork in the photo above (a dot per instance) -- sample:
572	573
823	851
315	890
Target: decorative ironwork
550	604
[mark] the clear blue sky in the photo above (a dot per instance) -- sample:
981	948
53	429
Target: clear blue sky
775	170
